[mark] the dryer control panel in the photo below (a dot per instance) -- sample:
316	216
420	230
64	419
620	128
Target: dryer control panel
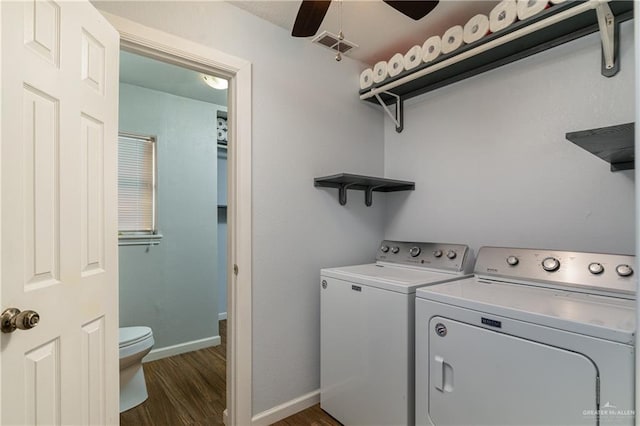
440	256
598	273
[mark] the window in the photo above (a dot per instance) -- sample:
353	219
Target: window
136	186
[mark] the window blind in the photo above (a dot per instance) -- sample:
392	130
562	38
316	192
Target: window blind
136	184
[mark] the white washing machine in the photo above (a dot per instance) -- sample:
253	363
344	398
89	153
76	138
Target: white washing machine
536	337
367	330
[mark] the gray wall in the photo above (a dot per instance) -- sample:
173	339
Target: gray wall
307	121
172	287
492	165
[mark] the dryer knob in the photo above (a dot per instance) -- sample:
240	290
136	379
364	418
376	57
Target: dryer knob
512	260
451	254
550	264
437	253
384	249
415	251
596	268
395	249
624	270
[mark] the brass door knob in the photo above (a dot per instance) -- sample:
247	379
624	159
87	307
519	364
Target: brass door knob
13	318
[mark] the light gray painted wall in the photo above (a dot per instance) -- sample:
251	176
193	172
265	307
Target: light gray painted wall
172	287
492	166
307	121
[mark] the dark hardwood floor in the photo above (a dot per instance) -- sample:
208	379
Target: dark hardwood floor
190	389
312	416
187	389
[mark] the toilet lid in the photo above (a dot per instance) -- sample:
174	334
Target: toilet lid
131	335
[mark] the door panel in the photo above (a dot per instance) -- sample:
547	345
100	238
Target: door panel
482	377
59	88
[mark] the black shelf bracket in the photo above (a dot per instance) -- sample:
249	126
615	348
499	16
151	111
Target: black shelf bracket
368	184
368	195
342	193
610	37
398	116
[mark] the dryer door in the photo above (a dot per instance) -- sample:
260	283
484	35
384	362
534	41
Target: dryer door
482	377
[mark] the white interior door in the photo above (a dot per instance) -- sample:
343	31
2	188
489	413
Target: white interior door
59	89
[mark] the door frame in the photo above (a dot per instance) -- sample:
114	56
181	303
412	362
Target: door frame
157	44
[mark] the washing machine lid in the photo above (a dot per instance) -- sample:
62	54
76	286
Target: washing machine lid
604	317
401	279
132	335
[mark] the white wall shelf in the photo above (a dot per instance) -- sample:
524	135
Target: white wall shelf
556	25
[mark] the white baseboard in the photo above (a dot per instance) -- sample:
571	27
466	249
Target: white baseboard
222	316
287	409
181	348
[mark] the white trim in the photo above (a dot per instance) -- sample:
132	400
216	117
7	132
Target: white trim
181	348
222	316
636	51
157	44
287	409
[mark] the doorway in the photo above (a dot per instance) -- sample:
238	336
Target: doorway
172	217
159	45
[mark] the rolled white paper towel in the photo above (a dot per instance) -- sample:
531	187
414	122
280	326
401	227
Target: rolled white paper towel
225	135
503	15
452	39
379	72
476	28
395	65
431	49
225	127
413	57
528	8
366	78
220	134
221	122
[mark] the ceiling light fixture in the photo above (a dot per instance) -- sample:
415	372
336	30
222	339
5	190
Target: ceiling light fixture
216	82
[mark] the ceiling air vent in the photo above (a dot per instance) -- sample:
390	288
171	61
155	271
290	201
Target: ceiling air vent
331	41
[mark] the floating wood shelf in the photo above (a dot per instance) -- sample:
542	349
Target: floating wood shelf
614	144
556	25
368	184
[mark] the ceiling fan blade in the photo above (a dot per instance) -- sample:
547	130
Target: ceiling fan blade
310	16
413	9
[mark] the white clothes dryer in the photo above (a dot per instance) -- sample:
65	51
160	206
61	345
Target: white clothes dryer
367	330
536	337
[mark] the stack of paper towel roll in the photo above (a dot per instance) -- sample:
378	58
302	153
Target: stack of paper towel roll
391	68
502	16
508	11
222	129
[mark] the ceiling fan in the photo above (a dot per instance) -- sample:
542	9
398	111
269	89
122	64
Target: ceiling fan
312	12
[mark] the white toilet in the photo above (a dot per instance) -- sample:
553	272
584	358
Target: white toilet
135	343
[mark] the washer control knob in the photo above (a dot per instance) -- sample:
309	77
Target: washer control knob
414	251
437	253
596	268
384	249
550	264
395	249
624	270
451	254
512	260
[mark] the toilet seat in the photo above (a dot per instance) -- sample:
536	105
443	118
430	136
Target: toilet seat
131	335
